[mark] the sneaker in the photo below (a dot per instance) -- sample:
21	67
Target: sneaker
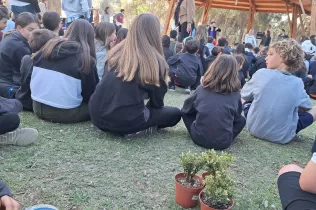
42	207
146	132
19	137
172	88
188	90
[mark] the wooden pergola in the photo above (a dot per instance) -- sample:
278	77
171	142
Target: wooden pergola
294	7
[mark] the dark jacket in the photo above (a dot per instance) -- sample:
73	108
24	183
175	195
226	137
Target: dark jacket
188	68
260	64
118	106
312	69
209	60
4	190
216	116
167	53
24	92
309	83
12	49
60	81
241	77
251	59
227	50
10	106
203	53
214	32
266	41
34	3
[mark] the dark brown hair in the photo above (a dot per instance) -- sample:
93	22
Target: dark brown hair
240	59
121	35
4	13
39	38
103	31
81	31
222	75
25	18
51	20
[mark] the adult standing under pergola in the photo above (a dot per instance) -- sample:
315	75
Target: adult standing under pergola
184	17
294	7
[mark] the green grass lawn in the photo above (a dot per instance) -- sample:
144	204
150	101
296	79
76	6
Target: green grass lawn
79	167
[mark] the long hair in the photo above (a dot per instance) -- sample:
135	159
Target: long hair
140	54
201	34
121	35
81	31
222	75
51	46
103	31
4	13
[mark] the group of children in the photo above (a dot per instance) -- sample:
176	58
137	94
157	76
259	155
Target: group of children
94	73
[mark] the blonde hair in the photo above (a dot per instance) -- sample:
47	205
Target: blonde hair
290	52
201	33
140	54
222	75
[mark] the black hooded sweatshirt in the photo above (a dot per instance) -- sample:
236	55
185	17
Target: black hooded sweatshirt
118	106
12	49
60	81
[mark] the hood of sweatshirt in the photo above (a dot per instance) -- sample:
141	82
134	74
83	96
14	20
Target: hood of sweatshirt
99	45
64	50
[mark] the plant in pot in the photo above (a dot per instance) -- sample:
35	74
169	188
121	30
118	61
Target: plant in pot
188	184
218	192
215	162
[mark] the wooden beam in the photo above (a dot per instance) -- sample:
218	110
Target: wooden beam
301	23
294	22
206	11
302	7
313	19
169	15
288	18
251	17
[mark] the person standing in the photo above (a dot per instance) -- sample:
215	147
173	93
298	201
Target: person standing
184	18
75	9
42	7
105	17
250	38
283	35
19	6
119	19
212	30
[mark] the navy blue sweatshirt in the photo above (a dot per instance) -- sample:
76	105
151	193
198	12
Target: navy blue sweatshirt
12	49
188	67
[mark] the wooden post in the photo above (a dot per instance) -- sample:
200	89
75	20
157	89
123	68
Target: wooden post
251	17
206	11
302	24
294	22
313	19
169	15
288	18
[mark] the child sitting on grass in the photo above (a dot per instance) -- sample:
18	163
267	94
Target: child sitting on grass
38	39
277	106
240	61
212	114
186	67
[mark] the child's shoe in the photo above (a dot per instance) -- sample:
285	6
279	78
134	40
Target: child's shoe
146	132
42	207
171	86
188	90
19	137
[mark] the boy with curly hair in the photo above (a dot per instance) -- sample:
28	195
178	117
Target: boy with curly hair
275	103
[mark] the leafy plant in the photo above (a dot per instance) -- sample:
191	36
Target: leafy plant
216	162
218	191
191	163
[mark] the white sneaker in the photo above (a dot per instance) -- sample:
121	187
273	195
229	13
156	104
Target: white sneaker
19	137
188	91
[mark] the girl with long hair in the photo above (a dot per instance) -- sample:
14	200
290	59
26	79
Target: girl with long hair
202	37
212	114
105	36
135	70
13	48
65	76
240	50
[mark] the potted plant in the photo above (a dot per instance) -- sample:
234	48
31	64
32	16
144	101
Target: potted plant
188	184
218	192
216	162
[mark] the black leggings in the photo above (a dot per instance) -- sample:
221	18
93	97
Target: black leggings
9	122
183	31
165	117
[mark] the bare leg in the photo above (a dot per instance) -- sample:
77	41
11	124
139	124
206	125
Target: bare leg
290	168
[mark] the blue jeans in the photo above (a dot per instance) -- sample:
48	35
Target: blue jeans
19	9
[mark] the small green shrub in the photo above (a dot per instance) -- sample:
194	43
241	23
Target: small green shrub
216	162
191	163
218	191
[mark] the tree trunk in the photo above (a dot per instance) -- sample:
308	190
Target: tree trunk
54	5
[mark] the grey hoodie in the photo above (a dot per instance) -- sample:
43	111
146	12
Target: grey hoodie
75	8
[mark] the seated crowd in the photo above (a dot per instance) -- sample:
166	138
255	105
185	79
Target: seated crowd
106	76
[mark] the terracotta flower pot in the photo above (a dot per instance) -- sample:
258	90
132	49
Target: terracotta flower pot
205	174
185	196
203	206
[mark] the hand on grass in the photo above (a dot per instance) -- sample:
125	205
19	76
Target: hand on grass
8	203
